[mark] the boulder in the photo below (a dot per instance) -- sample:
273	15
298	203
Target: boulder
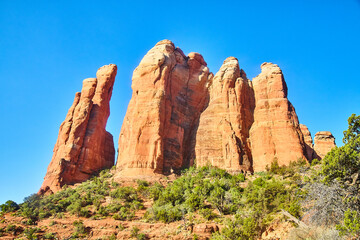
205	229
84	146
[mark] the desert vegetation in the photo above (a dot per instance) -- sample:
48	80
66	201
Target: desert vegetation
321	201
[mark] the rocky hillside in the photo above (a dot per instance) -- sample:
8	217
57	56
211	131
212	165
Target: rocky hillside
202	203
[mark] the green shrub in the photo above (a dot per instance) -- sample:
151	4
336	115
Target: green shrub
165	213
121	227
124	214
193	201
351	223
9	206
142	183
112	237
315	162
136	205
135	233
207	213
155	191
341	163
80	229
49	236
31	233
15	230
127	194
114	184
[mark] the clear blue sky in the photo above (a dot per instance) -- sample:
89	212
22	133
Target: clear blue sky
48	47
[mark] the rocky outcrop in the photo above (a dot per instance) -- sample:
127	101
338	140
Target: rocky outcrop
324	142
275	133
84	146
179	113
169	93
309	146
222	136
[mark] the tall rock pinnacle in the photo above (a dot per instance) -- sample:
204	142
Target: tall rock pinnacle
222	136
275	133
169	93
84	146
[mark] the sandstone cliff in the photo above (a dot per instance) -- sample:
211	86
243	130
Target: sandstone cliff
169	93
275	133
309	146
84	146
179	113
223	133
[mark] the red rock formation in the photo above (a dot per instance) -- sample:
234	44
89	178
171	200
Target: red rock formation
324	142
84	146
309	146
169	93
275	132
222	136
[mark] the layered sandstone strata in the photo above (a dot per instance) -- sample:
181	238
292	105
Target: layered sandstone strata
84	146
275	133
169	93
179	113
223	133
324	142
309	146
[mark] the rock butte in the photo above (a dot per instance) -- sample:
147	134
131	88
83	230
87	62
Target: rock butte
84	146
181	115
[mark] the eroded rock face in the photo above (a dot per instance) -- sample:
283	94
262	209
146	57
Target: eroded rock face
84	146
324	142
222	136
275	132
309	146
180	113
169	93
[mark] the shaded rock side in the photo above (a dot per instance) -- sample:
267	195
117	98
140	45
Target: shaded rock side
84	146
324	142
275	133
222	136
309	146
169	93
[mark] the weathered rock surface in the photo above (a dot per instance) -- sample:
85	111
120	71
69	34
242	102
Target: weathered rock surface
205	229
324	142
275	133
84	146
180	113
169	93
309	146
222	136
